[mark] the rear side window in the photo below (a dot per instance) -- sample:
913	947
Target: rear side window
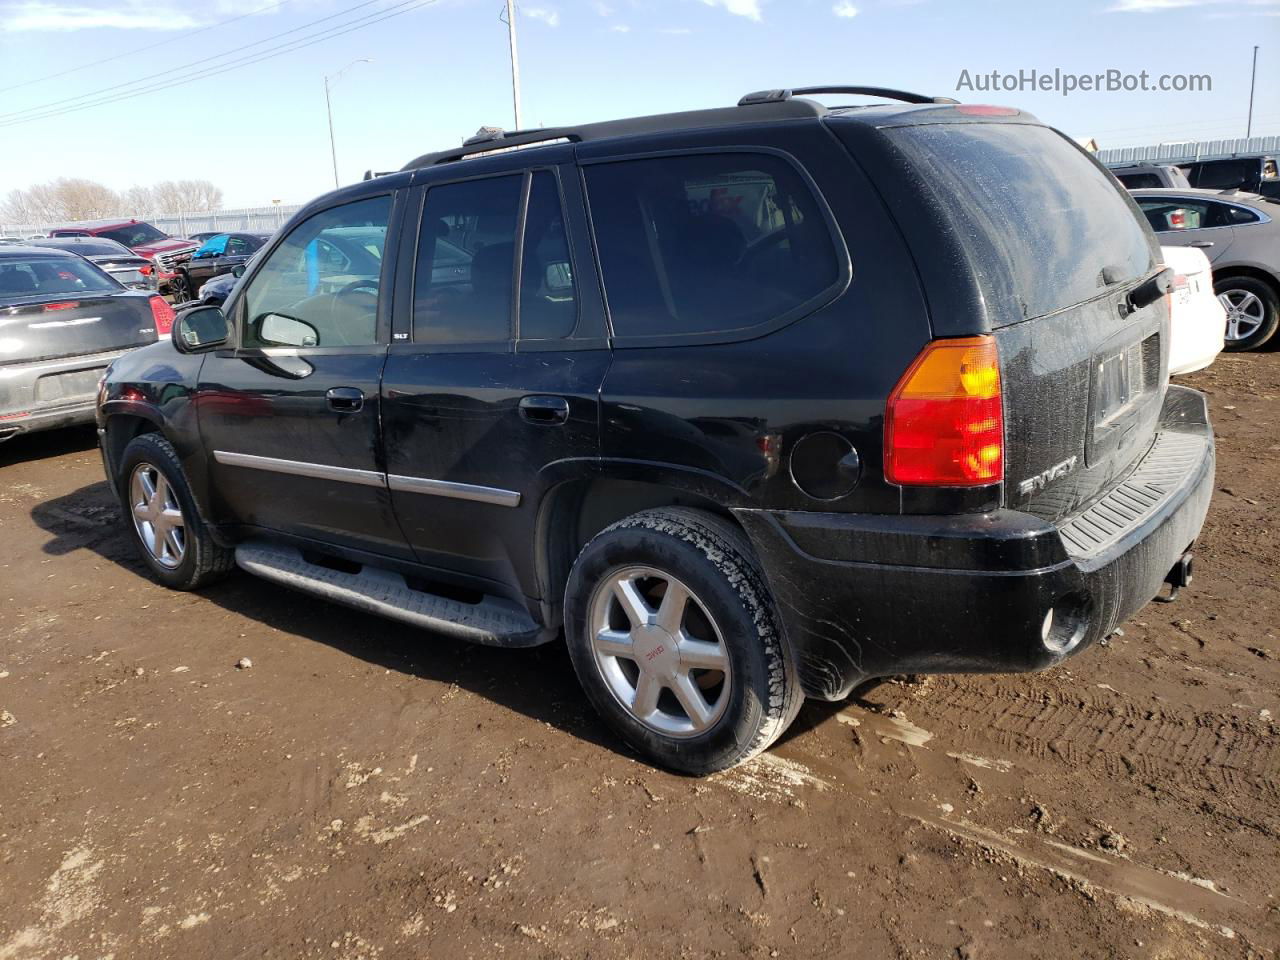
1221	174
548	300
707	243
466	260
21	277
1042	219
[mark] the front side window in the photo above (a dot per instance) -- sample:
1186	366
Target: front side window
325	274
466	261
707	243
238	247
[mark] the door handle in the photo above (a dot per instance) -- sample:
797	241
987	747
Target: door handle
344	399
1202	243
544	410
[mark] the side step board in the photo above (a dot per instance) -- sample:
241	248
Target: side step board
493	621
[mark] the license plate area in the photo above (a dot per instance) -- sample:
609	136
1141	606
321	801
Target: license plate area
1125	380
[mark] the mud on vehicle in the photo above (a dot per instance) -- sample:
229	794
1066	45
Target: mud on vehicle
750	404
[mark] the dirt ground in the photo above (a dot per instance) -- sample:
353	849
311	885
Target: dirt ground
364	790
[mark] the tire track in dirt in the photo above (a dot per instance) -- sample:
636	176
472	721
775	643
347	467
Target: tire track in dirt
1106	735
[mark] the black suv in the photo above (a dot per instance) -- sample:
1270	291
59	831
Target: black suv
753	403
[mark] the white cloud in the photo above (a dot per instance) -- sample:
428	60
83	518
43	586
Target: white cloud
550	17
845	9
39	15
619	28
741	8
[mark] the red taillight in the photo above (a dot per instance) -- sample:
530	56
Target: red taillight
162	313
1177	220
66	305
146	269
944	422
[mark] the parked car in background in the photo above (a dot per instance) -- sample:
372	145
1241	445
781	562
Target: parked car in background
115	258
166	252
11	240
219	254
649	401
1135	176
1256	174
204	235
1240	235
62	321
1197	319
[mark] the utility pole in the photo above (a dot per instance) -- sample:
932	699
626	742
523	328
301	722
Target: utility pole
1253	79
515	61
328	107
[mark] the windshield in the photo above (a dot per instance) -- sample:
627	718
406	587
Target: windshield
1043	219
133	234
23	278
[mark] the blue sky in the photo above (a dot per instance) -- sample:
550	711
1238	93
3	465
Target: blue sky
441	70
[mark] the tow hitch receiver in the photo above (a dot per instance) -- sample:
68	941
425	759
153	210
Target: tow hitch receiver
1178	577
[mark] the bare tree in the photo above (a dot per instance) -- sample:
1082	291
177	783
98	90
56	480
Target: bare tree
178	196
85	199
20	207
138	202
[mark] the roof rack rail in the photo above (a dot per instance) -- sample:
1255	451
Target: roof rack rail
774	96
494	138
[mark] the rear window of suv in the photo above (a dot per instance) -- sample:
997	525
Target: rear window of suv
1042	219
708	243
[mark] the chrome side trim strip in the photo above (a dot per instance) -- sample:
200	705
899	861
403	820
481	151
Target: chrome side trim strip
368	478
459	491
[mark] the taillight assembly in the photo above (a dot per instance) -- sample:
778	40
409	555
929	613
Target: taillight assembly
163	315
147	269
944	421
65	305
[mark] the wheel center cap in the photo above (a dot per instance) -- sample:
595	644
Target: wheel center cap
655	650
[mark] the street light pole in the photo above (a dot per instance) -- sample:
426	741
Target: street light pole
328	107
515	61
1253	79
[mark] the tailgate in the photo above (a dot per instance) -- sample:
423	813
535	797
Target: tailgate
1053	247
68	327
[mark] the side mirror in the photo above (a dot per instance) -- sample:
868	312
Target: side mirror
199	329
238	271
278	330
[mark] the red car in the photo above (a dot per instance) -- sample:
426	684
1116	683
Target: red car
166	252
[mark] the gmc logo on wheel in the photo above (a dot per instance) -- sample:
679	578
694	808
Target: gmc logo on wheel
657	651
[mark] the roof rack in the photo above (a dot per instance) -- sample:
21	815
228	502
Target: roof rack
761	106
776	96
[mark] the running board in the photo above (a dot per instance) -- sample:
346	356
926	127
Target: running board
493	621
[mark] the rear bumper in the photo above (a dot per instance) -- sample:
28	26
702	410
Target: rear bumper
866	596
26	406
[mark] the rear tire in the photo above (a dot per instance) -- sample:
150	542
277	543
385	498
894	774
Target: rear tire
161	518
1253	312
675	639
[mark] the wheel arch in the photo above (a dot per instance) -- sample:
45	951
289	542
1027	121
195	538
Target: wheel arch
118	430
575	510
1253	273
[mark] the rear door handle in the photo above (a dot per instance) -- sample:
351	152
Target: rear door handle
345	399
1202	243
544	410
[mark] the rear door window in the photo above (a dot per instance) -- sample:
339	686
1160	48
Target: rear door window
466	262
1043	220
708	243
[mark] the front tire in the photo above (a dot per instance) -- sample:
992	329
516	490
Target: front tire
161	517
1253	312
675	639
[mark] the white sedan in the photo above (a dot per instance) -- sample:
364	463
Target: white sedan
1197	321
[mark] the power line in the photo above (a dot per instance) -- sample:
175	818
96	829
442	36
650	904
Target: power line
185	66
150	46
292	46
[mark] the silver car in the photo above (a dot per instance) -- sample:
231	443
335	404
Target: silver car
62	321
1240	234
